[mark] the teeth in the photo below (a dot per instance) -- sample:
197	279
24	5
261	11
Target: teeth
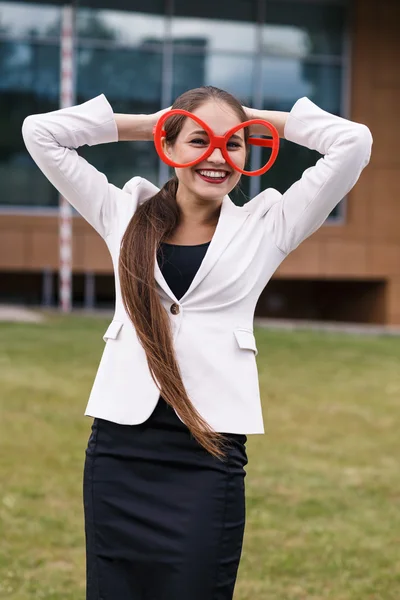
215	174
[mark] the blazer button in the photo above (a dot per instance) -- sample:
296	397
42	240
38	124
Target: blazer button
174	308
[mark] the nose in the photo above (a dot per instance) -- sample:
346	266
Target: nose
217	157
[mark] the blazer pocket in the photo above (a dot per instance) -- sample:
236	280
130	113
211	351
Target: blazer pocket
245	338
113	330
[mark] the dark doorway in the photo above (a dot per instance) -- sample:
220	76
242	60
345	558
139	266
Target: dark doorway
323	300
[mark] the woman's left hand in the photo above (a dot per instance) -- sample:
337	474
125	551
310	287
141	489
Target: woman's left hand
275	117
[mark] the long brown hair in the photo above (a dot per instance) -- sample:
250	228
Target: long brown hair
153	222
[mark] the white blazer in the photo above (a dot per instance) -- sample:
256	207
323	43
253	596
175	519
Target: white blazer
213	325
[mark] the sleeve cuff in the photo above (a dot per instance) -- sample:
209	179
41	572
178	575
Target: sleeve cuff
105	130
301	109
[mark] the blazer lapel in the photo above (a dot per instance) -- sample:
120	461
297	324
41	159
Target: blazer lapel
230	220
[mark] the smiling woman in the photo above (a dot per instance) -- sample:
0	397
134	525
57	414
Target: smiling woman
177	389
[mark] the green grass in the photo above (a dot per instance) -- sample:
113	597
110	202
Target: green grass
323	484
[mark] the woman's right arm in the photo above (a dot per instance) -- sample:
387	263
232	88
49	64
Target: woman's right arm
137	127
52	139
134	127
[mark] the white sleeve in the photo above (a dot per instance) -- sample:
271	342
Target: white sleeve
51	139
346	147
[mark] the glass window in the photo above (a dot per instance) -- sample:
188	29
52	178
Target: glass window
131	81
123	74
29	83
291	163
121	54
223	10
222	25
233	74
123	28
285	80
300	28
25	19
30	67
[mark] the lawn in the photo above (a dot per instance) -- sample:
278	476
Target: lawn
323	484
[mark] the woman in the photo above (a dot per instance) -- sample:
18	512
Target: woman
177	391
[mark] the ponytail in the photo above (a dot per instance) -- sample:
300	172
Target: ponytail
154	221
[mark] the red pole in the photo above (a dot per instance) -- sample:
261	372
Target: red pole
67	98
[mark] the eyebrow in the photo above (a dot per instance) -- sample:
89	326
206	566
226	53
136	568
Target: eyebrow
205	132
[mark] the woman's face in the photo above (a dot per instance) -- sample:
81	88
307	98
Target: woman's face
213	177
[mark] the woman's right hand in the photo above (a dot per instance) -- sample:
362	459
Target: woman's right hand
155	116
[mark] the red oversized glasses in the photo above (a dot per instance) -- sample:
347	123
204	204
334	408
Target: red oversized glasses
220	141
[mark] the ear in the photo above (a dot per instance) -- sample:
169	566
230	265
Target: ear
166	147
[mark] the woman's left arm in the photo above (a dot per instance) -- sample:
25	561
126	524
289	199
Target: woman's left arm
346	149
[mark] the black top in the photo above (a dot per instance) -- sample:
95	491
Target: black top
180	264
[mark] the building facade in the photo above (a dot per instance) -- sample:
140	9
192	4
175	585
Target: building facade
141	55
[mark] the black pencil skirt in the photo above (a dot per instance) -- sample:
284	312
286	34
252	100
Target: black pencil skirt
164	519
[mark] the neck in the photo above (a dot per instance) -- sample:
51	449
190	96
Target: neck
196	210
